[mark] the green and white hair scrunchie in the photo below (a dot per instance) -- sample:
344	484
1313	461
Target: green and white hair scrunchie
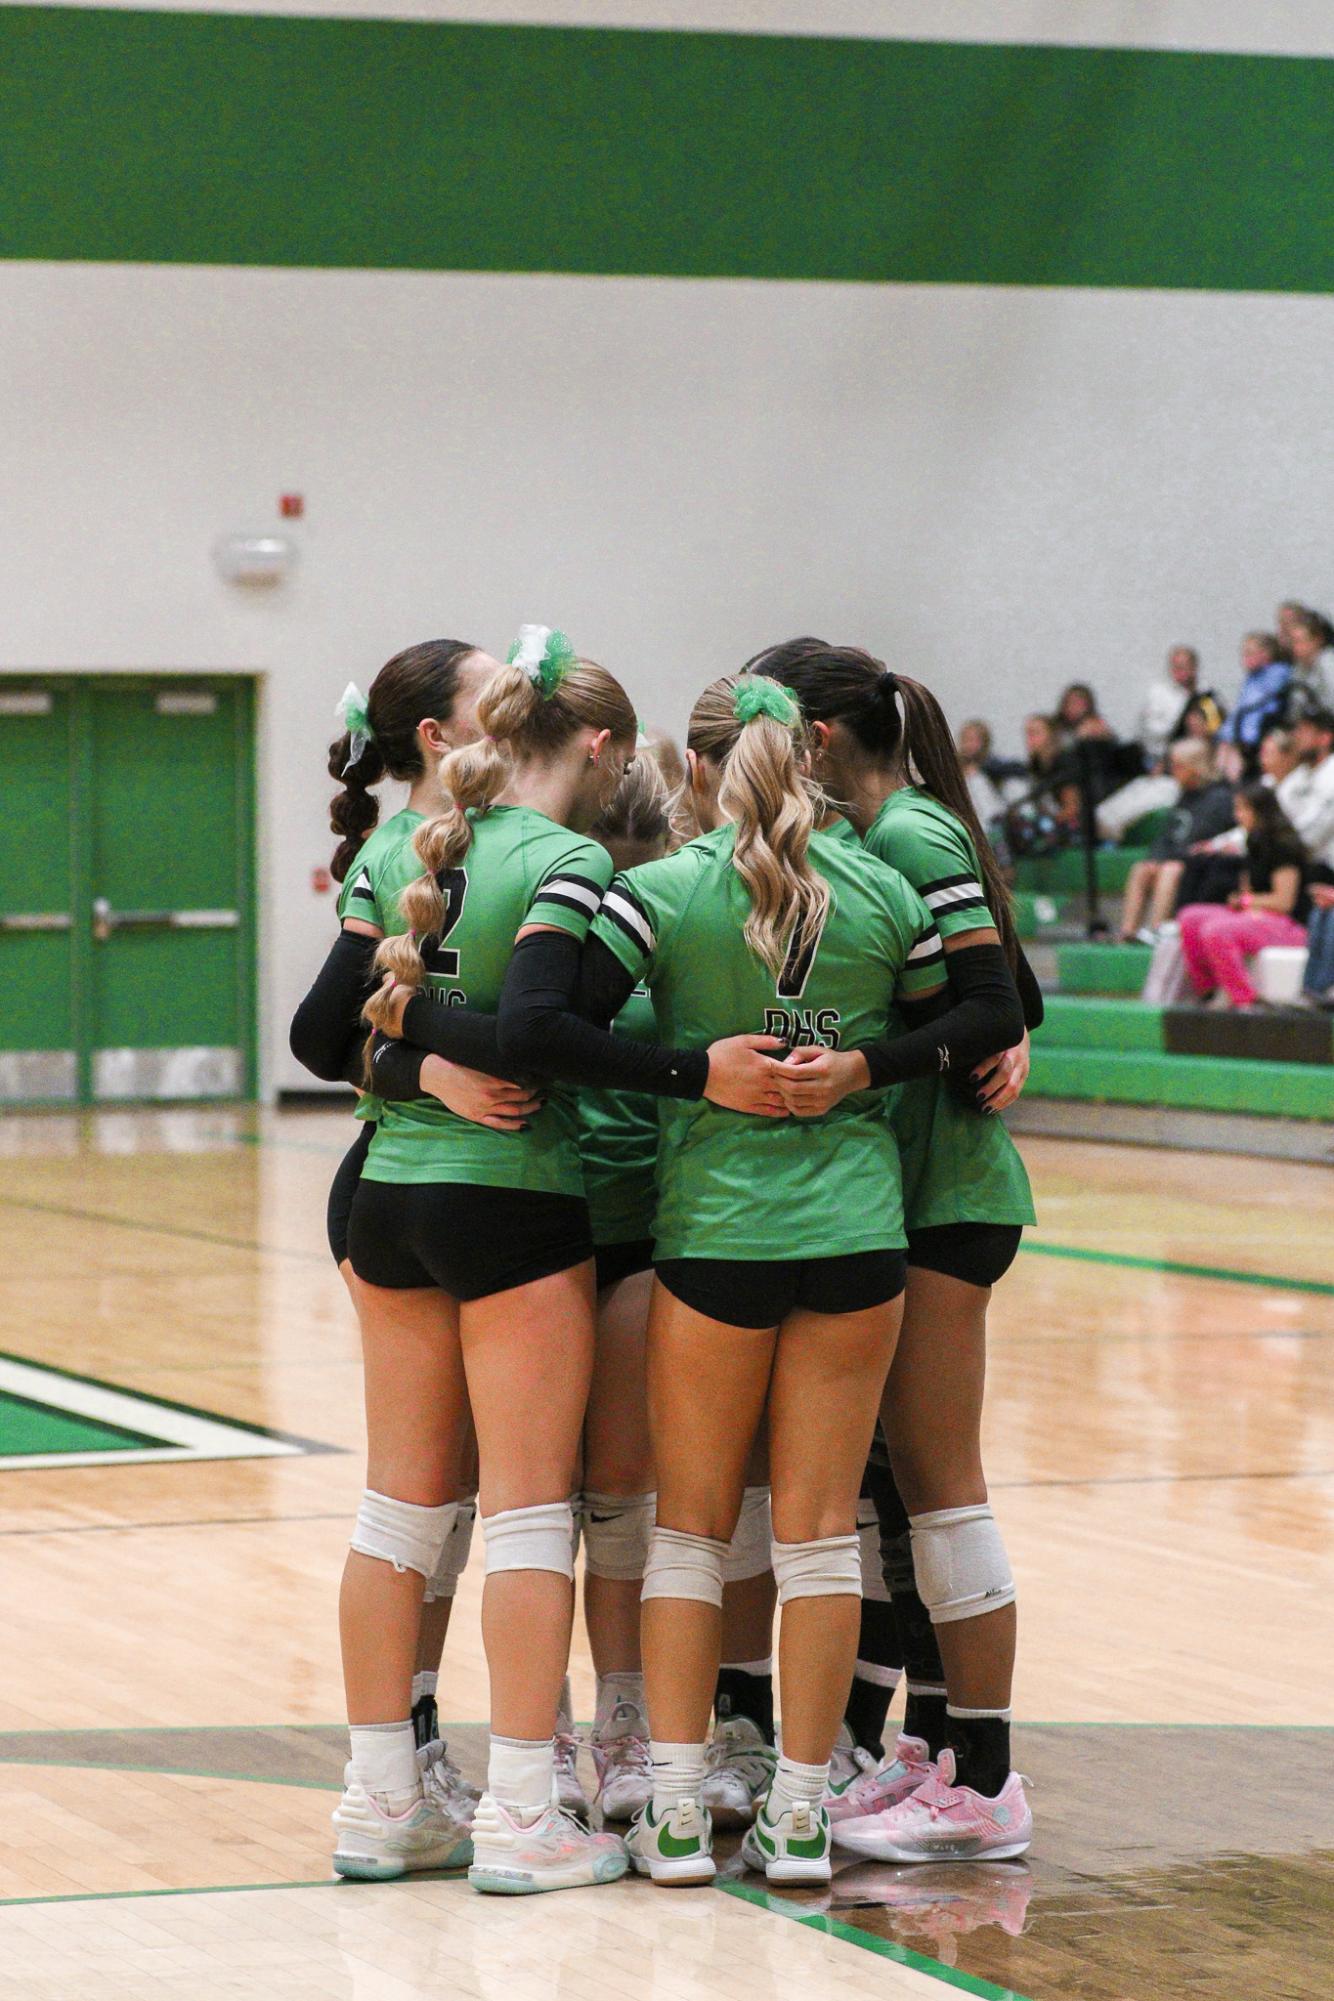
544	655
353	710
758	695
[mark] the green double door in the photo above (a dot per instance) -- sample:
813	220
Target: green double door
127	907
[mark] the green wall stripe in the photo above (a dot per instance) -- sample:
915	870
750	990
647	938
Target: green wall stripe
234	139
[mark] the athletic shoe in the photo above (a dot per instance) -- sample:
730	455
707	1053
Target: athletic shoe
440	1775
515	1856
794	1848
569	1786
375	1845
678	1849
848	1764
882	1787
624	1768
740	1771
944	1822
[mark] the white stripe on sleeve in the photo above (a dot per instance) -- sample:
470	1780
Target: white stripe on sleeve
959	892
630	915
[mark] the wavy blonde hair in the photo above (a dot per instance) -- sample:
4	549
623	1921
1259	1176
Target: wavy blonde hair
517	722
775	806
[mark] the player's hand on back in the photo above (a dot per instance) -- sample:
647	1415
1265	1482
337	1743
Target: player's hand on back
813	1081
485	1101
743	1077
1000	1079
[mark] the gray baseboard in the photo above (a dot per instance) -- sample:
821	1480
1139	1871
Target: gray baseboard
1165	1125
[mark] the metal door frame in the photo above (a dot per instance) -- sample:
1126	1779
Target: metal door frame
80	684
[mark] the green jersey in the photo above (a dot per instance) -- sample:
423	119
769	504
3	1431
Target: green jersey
618	1143
386	862
958	1165
521	869
731	1186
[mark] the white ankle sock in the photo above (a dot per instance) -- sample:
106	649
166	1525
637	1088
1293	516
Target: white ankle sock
624	1686
794	1783
750	1667
520	1772
424	1683
678	1774
384	1759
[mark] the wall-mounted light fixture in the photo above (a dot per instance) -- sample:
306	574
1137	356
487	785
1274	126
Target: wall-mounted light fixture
254	559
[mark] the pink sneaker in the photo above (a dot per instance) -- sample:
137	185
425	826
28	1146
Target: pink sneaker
942	1822
875	1792
515	1854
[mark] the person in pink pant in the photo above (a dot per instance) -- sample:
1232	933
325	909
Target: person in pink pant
1270	908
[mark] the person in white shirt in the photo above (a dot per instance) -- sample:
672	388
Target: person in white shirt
1311	643
1161	721
1307	793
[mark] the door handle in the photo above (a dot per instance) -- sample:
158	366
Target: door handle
35	920
106	920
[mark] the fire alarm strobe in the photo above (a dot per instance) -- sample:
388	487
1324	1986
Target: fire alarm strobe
291	506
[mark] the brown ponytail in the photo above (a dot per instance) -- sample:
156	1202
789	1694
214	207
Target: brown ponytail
931	760
518	722
775	807
419	683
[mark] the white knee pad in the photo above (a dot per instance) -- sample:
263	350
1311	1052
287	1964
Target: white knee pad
616	1534
540	1538
684	1566
401	1533
830	1568
748	1552
868	1538
960	1562
453	1560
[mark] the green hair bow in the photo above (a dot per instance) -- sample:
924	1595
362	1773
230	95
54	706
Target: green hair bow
353	711
757	695
546	657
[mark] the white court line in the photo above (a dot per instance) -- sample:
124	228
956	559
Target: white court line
185	1434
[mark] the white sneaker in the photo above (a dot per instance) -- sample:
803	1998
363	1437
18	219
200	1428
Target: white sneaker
569	1786
740	1770
678	1849
848	1764
515	1855
624	1768
793	1848
375	1845
441	1777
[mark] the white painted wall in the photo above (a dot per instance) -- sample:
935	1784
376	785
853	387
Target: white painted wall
997	489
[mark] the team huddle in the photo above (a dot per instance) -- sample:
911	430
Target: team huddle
671	1224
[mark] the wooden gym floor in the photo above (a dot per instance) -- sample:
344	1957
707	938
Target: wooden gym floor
174	1510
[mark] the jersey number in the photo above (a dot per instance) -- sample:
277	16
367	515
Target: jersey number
454	888
797	966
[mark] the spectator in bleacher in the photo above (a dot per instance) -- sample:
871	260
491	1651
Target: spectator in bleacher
1318	979
1289	610
1278	756
1311	643
1188	711
1077	716
1270	907
1096	759
1046	813
1204	809
1213	867
982	771
1307	793
1264	692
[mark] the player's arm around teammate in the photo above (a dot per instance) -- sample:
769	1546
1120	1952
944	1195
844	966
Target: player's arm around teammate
966	1199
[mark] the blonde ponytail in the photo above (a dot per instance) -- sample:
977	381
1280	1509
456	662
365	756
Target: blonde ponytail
753	729
519	717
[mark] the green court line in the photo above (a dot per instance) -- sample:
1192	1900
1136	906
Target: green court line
314	1446
192	1890
1177	1268
820	1921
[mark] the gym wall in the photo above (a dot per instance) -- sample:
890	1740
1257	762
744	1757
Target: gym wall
1007	355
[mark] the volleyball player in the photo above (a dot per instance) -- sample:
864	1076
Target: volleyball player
421	703
885	756
776	1277
473	1252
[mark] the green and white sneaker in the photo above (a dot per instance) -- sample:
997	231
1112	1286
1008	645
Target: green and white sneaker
678	1849
794	1848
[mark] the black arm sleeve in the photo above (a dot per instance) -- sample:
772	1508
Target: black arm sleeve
460	1034
982	1015
396	1069
541	1032
1030	993
327	1032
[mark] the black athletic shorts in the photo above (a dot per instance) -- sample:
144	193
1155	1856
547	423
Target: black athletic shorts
466	1241
618	1261
761	1293
977	1253
344	1188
